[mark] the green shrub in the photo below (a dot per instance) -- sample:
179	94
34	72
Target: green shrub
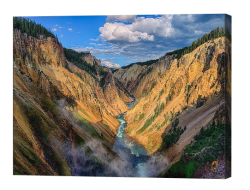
170	96
209	143
157	111
16	172
182	170
79	140
141	116
173	134
85	124
102	82
149	89
161	92
164	122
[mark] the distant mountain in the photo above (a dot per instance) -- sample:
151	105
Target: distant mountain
141	63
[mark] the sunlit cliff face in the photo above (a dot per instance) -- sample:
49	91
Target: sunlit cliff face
173	84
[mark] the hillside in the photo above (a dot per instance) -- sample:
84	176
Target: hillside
171	86
58	106
176	98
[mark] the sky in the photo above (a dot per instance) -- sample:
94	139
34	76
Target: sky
119	40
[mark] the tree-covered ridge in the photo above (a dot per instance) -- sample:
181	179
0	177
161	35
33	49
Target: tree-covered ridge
77	59
31	28
216	33
150	62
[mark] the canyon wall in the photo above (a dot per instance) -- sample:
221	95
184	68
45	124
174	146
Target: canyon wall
62	113
171	88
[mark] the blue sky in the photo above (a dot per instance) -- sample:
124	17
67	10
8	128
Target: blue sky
124	39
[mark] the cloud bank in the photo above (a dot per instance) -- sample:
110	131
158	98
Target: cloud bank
142	38
124	18
122	33
111	65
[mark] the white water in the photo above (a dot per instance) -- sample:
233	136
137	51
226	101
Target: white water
129	150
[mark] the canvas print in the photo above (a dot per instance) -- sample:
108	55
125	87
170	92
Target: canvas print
122	96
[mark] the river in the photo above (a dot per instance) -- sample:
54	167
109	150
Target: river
128	149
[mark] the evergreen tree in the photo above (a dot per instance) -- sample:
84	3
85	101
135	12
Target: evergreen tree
31	28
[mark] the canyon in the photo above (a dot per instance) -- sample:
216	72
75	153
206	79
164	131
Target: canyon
68	120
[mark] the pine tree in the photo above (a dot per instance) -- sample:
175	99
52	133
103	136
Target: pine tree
31	28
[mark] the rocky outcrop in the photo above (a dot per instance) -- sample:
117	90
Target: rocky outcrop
91	59
130	77
214	170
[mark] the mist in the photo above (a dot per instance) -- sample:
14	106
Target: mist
93	158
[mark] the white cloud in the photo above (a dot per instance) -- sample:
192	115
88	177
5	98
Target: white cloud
95	44
125	18
184	18
95	40
61	36
68	22
110	50
109	59
122	32
159	26
190	27
198	32
54	29
112	65
141	29
70	29
58	27
159	46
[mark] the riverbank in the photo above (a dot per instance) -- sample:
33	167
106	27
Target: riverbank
128	149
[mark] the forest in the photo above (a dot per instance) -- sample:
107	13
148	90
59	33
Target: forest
77	59
216	33
31	28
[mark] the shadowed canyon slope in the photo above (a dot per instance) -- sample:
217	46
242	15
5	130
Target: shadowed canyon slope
58	106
